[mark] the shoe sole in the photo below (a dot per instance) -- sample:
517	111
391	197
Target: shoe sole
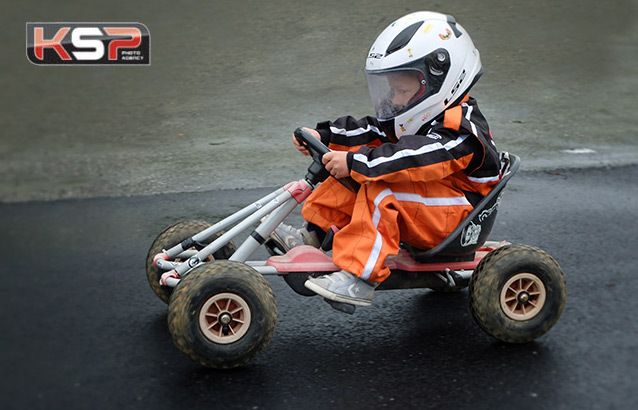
333	296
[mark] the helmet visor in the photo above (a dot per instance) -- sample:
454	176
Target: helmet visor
394	92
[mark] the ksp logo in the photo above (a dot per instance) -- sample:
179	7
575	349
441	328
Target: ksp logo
88	44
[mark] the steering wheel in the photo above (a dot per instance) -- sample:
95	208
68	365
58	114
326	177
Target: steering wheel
317	149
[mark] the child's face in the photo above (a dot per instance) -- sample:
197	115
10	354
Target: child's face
404	86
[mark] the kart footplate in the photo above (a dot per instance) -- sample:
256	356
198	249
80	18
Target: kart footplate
341	307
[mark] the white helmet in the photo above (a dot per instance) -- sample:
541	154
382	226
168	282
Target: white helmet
419	65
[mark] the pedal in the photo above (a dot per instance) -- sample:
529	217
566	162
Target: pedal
341	307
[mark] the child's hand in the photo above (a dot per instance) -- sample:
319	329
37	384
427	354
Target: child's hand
336	163
300	147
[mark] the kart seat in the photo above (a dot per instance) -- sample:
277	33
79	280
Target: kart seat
474	230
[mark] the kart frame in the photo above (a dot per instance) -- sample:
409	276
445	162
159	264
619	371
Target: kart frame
273	209
222	313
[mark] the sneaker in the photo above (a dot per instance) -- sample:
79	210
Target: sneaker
287	237
343	287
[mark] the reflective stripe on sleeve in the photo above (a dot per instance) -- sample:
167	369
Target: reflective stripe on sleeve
409	152
358	131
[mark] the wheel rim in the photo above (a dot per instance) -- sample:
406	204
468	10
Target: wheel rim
523	296
224	318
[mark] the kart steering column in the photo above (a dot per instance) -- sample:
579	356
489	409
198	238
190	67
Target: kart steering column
317	171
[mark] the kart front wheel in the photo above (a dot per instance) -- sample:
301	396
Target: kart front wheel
170	237
518	294
222	314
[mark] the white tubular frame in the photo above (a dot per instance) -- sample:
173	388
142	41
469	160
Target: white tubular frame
277	205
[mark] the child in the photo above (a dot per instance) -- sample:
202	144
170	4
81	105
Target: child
422	163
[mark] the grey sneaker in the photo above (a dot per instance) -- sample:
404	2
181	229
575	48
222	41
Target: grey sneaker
287	237
343	287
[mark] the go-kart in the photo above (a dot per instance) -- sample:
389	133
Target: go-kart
222	311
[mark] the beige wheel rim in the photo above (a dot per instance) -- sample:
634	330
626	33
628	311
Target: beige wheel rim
224	318
523	296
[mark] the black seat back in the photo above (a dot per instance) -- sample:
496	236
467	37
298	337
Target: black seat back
473	231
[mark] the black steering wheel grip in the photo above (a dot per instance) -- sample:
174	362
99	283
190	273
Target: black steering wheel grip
317	149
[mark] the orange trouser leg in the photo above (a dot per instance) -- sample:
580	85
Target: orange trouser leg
361	246
385	214
329	204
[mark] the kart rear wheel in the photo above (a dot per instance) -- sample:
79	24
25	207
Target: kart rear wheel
170	237
518	294
222	314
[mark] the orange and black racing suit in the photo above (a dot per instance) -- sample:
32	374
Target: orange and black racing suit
416	190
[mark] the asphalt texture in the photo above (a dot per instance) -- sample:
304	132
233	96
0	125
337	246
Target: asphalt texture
82	329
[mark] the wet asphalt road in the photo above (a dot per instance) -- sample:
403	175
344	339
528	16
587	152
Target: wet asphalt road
82	329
